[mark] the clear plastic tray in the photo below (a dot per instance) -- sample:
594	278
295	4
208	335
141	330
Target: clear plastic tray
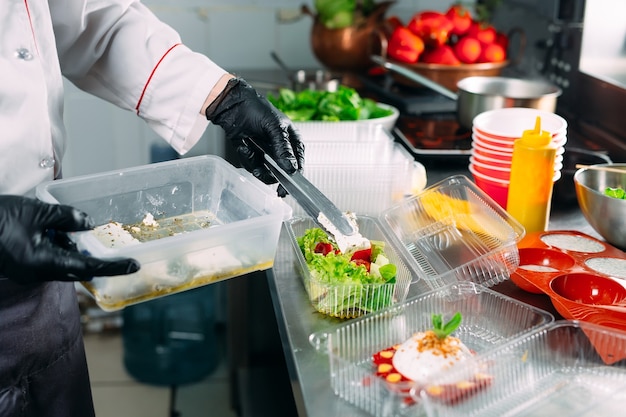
326	298
245	221
489	319
350	153
551	371
349	131
455	232
367	187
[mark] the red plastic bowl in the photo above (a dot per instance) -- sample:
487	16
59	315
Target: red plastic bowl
493	171
480	150
494	162
498	190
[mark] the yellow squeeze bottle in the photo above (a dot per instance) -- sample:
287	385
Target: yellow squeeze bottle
531	180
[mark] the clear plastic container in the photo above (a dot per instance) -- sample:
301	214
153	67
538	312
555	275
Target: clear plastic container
455	232
553	370
245	221
489	319
363	179
328	298
350	153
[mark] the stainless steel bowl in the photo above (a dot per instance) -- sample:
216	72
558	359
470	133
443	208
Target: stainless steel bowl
607	215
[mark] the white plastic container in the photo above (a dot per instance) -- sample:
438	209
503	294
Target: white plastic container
245	221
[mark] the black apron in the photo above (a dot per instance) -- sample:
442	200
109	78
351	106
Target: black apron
43	370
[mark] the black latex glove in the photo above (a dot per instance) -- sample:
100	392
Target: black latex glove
243	113
34	246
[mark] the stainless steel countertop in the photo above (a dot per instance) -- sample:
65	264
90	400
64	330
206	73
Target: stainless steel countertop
297	319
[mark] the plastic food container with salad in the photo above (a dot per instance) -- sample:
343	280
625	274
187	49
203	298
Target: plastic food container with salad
450	232
340	288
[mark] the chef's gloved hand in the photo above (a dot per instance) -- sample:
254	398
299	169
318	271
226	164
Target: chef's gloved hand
34	246
243	113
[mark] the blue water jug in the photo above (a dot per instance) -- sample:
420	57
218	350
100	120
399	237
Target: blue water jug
171	340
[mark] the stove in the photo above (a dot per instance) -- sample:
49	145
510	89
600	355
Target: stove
427	125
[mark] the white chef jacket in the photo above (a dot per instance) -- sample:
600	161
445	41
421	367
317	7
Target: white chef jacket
115	49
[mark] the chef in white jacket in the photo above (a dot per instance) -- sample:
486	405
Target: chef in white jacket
117	50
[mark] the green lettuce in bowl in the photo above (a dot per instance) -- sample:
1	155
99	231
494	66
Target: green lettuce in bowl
345	104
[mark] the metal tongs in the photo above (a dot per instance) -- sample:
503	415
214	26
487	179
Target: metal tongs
311	199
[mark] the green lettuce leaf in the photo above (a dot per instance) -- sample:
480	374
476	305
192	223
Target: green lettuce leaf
352	286
343	104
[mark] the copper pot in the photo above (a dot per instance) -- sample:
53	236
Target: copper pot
448	75
350	48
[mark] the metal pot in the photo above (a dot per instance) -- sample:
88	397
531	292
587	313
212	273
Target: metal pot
479	94
308	79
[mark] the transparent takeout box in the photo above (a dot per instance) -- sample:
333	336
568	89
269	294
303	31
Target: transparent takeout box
215	222
365	176
454	232
553	370
348	301
488	319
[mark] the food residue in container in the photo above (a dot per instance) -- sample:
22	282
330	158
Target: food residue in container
116	234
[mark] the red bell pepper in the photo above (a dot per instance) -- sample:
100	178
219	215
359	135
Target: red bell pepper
461	19
433	27
441	55
405	46
485	33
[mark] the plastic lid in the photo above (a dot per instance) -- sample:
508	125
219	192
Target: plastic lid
536	138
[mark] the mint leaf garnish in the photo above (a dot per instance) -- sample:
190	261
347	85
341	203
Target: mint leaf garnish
442	330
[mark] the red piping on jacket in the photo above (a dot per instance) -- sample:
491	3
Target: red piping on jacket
145	87
32	29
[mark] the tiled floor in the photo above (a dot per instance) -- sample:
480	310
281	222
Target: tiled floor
117	394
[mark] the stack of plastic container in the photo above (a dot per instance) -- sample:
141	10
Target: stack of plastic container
493	135
358	167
